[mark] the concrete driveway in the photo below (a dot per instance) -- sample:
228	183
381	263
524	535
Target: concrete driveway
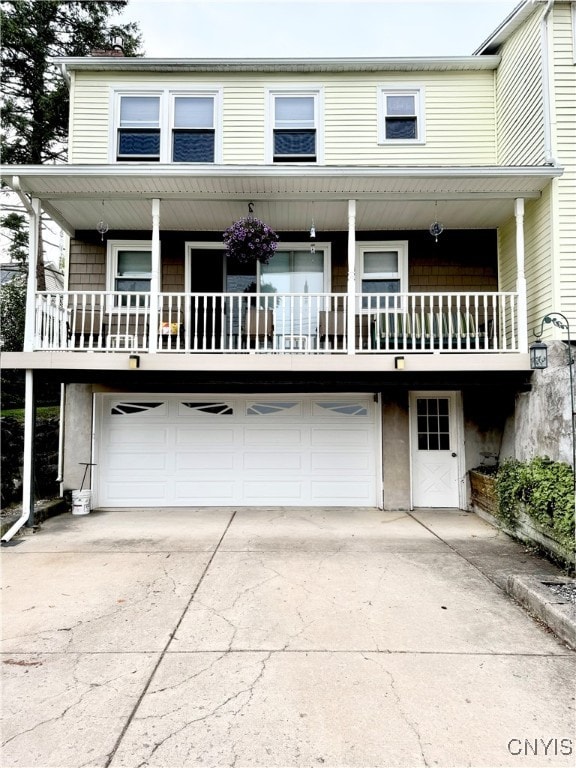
277	637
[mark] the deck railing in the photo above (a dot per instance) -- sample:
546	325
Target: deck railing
301	323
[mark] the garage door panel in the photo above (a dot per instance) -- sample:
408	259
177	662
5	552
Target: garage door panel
136	493
270	460
338	461
345	437
340	492
204	491
238	450
273	436
145	462
265	489
204	436
205	460
138	435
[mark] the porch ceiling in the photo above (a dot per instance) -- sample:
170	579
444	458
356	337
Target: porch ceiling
210	198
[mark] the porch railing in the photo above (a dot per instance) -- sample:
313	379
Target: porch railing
299	323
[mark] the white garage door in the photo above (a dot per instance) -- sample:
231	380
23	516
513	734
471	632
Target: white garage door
183	450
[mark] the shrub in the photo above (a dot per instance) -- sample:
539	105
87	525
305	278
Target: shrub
541	488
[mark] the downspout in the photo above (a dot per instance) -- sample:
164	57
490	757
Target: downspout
549	159
60	478
29	407
27	474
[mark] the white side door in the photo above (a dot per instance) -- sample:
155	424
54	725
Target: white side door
436	440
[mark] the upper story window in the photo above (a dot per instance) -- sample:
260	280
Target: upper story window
401	116
139	128
295	126
193	134
168	127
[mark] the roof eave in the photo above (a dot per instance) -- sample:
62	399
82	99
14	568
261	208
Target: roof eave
137	64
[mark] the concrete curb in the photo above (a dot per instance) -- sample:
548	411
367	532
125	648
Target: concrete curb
532	594
42	511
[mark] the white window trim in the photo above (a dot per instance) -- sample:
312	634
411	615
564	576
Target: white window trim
167	96
397	89
400	246
282	246
112	248
293	90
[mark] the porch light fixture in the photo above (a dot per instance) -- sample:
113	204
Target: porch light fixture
312	235
436	228
134	362
102	226
539	361
399	363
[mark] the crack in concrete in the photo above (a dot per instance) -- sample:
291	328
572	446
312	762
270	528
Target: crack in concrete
400	709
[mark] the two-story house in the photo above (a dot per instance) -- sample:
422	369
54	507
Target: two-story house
425	214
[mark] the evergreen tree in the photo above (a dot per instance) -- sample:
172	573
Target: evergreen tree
35	96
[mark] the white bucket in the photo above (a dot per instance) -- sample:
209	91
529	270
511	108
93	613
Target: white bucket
81	502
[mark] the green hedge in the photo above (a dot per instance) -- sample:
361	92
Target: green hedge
544	490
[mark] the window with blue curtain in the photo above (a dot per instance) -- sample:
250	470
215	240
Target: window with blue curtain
139	128
401	118
295	128
193	134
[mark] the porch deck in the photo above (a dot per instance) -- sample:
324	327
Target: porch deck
289	323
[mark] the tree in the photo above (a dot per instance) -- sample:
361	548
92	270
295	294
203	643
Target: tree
35	96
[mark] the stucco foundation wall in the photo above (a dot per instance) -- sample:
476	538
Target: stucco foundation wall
543	417
396	453
77	435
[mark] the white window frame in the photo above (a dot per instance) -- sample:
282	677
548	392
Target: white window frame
376	246
112	249
418	93
317	93
115	145
167	98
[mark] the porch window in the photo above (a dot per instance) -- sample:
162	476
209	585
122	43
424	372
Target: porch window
193	134
131	272
383	270
294	127
139	128
401	118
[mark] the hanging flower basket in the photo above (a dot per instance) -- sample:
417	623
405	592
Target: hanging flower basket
249	240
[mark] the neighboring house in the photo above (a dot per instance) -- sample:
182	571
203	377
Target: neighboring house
54	277
373	364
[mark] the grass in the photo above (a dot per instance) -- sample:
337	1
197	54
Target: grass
44	412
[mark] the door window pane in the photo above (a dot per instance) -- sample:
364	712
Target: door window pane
433	424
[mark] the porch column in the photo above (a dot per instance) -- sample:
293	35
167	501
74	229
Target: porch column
351	330
155	277
521	277
30	325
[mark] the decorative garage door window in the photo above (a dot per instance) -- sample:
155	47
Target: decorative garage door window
266	409
433	423
128	409
214	409
344	409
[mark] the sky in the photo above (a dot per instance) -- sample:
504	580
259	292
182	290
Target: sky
314	28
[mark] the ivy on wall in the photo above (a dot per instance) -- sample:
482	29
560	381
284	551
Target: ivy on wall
541	488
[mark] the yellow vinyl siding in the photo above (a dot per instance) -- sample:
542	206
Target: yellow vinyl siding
538	256
90	118
459	115
519	97
564	149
